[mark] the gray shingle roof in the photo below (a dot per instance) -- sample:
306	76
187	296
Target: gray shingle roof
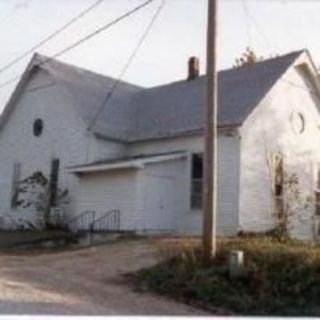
89	91
135	113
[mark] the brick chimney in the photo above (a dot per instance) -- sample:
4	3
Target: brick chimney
193	68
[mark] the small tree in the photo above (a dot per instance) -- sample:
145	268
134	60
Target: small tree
289	201
247	58
34	191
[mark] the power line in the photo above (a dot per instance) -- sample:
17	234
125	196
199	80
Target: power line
127	65
248	29
256	25
84	39
291	83
52	35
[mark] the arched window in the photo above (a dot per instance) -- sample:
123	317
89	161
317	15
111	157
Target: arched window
37	127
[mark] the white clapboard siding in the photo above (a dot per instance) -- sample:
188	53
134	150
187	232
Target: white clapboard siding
269	130
105	191
190	221
64	136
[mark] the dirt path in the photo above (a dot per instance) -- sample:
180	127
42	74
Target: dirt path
86	281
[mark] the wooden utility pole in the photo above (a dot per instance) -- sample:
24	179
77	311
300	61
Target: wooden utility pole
210	154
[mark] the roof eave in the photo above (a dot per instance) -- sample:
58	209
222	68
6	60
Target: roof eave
122	165
186	134
110	167
18	90
99	135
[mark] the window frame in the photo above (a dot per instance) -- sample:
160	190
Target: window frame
37	127
16	177
195	207
54	182
317	191
278	186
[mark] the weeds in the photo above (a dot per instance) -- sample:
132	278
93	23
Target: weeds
279	278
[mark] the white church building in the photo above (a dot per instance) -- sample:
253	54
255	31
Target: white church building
139	151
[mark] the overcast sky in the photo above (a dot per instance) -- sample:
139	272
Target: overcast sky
270	27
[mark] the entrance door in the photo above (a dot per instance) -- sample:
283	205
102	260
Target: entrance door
160	202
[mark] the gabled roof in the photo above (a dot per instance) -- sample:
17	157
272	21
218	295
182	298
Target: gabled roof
90	89
135	113
180	107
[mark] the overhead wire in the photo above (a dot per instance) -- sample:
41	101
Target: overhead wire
52	35
255	24
84	39
127	65
98	31
248	29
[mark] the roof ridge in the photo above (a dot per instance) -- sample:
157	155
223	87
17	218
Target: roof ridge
270	59
40	57
178	107
240	91
232	69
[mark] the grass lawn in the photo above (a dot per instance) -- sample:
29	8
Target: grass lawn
279	278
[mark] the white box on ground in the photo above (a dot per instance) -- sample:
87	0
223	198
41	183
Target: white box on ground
236	262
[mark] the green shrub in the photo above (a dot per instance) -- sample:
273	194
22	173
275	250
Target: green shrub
279	278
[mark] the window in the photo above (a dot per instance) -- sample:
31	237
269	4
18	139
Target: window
37	127
278	186
196	180
317	193
297	122
15	184
53	186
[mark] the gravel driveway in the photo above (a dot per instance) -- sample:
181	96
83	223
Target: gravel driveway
82	282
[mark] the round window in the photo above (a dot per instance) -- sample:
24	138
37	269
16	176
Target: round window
297	122
37	127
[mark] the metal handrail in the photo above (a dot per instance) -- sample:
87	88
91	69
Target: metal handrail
110	221
106	215
77	221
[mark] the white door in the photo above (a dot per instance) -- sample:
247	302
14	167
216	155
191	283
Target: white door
160	202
